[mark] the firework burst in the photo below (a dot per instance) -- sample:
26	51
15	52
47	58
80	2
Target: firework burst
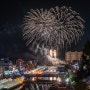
39	25
69	26
52	28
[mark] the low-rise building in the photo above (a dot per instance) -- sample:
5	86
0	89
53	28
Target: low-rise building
4	65
70	56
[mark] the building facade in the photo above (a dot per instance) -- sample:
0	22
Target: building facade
4	65
70	56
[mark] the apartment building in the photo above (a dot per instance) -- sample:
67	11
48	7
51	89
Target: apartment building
70	56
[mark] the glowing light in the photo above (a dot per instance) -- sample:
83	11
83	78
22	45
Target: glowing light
51	78
33	72
39	72
33	79
19	79
54	78
55	54
67	80
51	52
59	80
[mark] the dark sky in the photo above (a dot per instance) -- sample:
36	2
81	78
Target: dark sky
11	17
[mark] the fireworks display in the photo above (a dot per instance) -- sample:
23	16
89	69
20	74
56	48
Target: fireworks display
52	28
39	25
69	26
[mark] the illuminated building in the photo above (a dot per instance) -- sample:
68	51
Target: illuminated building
70	56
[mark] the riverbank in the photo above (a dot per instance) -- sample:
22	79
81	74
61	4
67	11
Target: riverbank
10	84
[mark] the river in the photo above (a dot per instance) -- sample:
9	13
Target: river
34	86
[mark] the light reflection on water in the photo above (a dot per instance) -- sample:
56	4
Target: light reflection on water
20	87
33	87
36	87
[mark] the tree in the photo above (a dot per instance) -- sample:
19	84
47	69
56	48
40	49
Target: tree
84	70
86	63
86	49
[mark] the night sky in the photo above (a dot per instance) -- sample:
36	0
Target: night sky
11	19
